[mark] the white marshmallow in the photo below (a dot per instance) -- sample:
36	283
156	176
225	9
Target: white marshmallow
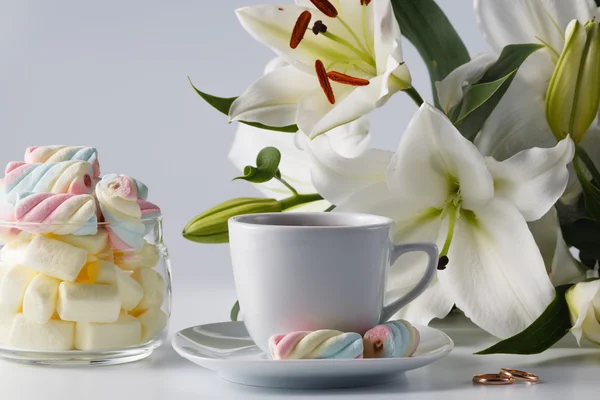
106	273
12	289
6	322
14	253
55	258
81	302
130	291
39	303
106	255
146	257
153	321
153	285
93	244
54	335
125	332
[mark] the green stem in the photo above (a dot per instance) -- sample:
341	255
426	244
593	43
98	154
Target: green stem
330	209
287	185
589	164
349	45
299	199
450	234
412	92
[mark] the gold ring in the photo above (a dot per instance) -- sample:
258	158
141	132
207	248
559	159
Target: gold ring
493	379
520	375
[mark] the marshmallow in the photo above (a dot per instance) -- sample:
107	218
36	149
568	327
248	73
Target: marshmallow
146	257
106	273
153	285
39	302
318	344
130	291
6	323
82	302
153	321
47	154
55	258
61	214
392	339
63	177
54	335
107	255
117	196
94	244
12	289
125	332
14	252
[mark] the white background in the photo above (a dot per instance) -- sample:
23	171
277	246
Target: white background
112	74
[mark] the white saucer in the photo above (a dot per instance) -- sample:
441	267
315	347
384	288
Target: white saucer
227	349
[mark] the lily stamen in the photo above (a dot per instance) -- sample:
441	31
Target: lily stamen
300	29
326	7
319	27
365	2
324	81
347	79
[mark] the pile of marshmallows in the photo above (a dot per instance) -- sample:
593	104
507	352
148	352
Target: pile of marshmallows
66	281
390	340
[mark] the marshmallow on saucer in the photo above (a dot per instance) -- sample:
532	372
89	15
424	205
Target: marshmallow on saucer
392	339
318	344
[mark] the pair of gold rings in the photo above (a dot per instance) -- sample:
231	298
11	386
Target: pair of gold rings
506	377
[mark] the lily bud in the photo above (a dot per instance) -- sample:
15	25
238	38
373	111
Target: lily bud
210	227
574	92
584	306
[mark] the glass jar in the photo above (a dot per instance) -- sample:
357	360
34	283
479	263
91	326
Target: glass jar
76	295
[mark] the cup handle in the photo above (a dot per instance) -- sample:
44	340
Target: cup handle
432	252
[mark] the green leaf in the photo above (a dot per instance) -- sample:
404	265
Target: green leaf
426	26
583	234
223	105
267	166
482	98
543	333
479	94
598	3
235	311
591	193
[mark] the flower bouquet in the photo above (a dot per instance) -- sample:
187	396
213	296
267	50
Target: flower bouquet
500	170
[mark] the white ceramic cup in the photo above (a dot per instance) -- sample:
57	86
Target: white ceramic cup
309	271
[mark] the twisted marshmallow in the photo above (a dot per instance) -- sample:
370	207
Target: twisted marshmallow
61	214
118	199
73	177
318	344
46	154
392	339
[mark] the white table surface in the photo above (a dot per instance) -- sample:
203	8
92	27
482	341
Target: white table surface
566	371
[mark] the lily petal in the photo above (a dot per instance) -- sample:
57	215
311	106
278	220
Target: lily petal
272	26
450	90
351	140
506	22
337	178
580	299
432	157
316	116
560	263
295	163
273	98
496	273
533	180
518	122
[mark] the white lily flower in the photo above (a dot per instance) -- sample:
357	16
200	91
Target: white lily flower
349	66
519	120
439	188
584	305
560	263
